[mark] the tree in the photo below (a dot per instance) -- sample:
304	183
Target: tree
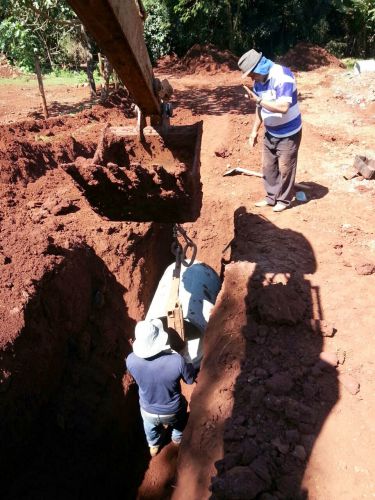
32	26
359	25
157	29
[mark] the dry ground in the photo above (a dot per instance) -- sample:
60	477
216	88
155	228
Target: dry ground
329	242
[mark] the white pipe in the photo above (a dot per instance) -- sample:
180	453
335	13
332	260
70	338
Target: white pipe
198	290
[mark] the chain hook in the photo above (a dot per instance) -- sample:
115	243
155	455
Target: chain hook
189	243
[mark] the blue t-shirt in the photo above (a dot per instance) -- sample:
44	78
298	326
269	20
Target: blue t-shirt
158	380
281	86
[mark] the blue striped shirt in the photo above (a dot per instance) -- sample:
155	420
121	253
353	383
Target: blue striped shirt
281	86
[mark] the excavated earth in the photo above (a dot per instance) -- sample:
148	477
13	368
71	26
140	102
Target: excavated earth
283	406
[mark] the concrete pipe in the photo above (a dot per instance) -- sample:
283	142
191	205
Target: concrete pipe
199	287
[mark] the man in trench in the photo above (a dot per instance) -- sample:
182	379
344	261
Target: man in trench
158	371
275	96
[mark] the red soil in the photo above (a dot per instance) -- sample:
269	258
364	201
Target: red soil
270	404
6	69
200	59
307	57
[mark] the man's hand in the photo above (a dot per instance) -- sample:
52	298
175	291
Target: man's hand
253	140
252	94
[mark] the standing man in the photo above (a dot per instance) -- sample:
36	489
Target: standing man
158	371
275	95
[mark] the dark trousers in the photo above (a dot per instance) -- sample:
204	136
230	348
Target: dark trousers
279	166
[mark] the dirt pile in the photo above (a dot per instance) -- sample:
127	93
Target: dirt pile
155	179
6	69
29	148
208	59
265	387
72	287
308	57
170	62
122	101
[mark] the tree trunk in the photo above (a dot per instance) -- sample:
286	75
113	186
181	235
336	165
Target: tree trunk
41	87
90	64
230	25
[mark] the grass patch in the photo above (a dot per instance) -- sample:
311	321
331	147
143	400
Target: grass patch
349	62
58	77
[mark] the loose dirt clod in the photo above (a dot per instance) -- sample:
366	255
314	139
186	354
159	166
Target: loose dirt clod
156	179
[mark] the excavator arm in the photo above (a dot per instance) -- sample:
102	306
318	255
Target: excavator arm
117	27
142	173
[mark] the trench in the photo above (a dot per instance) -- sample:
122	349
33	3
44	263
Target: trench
70	420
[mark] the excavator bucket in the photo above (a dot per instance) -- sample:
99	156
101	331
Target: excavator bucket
137	174
155	178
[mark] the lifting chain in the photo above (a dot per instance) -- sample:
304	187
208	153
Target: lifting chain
175	318
179	251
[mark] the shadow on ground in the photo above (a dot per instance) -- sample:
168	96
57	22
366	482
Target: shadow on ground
70	423
216	101
284	391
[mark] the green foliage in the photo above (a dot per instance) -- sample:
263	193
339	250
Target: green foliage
72	51
157	29
30	27
50	29
61	76
337	48
19	42
358	25
201	21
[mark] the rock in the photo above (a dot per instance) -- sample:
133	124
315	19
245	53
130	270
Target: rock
300	453
251	431
350	384
292	436
289	486
263	331
308	441
240	483
222	152
267	496
236	434
230	460
308	415
309	390
275	350
279	304
280	383
338	249
260	372
316	371
306	428
257	396
5	380
292	411
33	204
282	447
5	260
328	358
365	269
249	451
260	467
341	356
241	419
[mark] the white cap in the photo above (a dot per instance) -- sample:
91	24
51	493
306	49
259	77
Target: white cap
150	338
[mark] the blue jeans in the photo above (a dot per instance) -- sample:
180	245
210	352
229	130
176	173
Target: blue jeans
153	426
